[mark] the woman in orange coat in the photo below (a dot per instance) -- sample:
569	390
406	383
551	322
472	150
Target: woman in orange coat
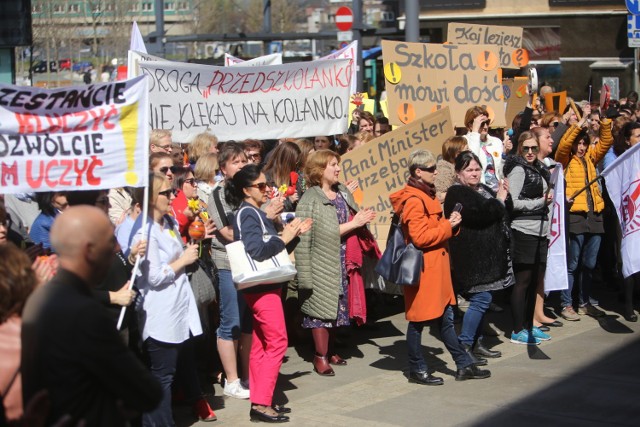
425	226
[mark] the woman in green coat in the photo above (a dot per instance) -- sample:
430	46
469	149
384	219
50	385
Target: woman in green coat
320	255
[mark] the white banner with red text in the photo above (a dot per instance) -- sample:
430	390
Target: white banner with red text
555	277
266	102
622	178
74	138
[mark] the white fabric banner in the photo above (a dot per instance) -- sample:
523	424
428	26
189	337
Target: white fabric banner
267	102
555	277
350	51
74	138
137	42
133	62
272	59
622	179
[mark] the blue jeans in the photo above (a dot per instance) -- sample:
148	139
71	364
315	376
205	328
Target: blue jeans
235	317
472	322
448	336
581	260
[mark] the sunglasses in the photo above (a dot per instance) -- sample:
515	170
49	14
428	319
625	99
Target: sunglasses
532	149
166	169
261	186
190	181
166	193
430	169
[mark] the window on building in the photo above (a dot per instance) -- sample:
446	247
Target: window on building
58	8
74	8
169	5
36	8
135	7
183	5
146	6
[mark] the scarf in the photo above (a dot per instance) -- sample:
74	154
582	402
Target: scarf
428	189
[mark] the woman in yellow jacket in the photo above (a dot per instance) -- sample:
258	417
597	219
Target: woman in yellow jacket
579	159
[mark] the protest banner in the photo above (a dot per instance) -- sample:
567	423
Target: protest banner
555	276
622	178
268	102
133	62
515	96
507	40
272	59
350	51
380	166
555	101
432	76
74	138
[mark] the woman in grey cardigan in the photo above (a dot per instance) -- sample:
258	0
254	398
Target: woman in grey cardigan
320	255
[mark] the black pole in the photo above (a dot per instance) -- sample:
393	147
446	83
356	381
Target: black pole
159	10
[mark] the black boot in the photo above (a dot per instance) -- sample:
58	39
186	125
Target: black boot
480	350
478	361
472	372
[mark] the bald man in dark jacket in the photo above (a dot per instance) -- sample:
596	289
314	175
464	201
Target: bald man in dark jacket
69	344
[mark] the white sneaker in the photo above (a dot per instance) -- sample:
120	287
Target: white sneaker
235	389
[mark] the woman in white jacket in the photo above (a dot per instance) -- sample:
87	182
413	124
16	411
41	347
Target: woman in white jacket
488	148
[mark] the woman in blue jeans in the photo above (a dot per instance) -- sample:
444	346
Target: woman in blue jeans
480	251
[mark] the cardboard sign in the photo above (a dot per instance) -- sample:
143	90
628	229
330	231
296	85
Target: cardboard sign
515	95
555	101
263	102
381	165
74	138
439	75
507	40
272	59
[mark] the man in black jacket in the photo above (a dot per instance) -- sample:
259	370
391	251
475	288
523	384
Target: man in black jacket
69	344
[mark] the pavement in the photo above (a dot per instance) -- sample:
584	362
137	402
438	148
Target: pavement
588	374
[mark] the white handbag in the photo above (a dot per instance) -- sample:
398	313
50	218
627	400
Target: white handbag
247	272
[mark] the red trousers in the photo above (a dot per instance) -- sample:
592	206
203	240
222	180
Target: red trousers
268	346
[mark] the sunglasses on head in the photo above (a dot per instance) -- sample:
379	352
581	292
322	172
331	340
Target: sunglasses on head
166	193
430	169
534	149
261	186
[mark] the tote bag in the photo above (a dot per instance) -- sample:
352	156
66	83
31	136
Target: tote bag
246	272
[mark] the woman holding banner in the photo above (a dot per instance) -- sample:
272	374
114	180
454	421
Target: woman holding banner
320	255
529	189
168	315
579	157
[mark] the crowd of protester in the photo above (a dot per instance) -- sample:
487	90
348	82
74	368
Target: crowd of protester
479	211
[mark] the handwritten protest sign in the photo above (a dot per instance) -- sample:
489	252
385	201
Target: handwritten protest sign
507	40
73	138
350	51
267	102
515	95
381	167
133	62
272	59
437	75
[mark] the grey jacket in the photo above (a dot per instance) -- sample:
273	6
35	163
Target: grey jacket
318	254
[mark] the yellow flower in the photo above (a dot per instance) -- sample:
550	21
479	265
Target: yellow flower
194	205
283	189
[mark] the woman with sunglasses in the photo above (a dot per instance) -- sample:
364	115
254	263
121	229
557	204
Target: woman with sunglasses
321	255
162	163
168	315
586	204
432	299
186	191
529	189
483	230
247	191
488	148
